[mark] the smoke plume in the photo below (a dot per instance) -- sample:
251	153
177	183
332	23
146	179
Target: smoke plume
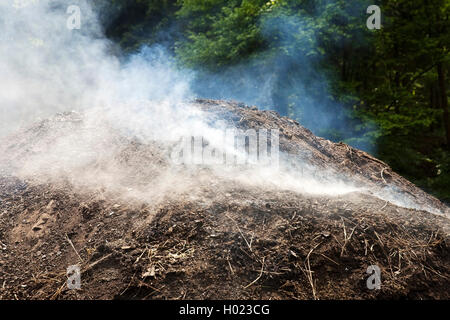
48	68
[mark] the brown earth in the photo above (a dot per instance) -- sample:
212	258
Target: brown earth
226	240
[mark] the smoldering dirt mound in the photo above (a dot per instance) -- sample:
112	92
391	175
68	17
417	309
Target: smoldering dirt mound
215	237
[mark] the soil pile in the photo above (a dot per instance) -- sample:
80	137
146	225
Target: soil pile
199	235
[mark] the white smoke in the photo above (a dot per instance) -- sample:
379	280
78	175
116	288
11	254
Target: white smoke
48	68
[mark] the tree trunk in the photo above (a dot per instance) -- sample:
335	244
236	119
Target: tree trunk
344	65
444	102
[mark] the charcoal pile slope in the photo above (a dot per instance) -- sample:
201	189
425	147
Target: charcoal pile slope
198	235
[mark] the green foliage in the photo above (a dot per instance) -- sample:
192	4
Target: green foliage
219	32
136	23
